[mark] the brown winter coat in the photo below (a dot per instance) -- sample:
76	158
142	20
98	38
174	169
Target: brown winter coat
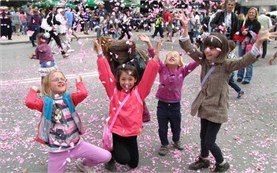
212	101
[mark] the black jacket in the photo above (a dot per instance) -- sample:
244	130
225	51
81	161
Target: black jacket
219	19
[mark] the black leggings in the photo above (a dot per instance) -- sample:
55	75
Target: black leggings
208	135
125	150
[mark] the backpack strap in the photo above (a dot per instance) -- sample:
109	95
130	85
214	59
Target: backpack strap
207	75
138	96
118	110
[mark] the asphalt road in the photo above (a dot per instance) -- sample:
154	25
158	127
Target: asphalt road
248	140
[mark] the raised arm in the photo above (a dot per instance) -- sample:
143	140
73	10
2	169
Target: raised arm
105	74
81	93
255	52
185	40
32	100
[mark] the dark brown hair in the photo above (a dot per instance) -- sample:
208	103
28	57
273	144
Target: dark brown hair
131	70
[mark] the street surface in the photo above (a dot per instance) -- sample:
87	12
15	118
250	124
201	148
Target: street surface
248	140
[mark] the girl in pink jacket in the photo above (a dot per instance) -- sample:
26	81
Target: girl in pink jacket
128	124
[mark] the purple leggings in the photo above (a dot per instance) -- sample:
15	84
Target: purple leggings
92	155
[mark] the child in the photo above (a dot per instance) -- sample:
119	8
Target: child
60	126
232	82
44	54
212	101
120	52
172	74
128	124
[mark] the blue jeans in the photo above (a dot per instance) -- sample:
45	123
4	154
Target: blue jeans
169	113
233	84
36	29
47	64
248	71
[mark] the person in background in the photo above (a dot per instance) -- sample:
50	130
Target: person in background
23	20
34	25
266	23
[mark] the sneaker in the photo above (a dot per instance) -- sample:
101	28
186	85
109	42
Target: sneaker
239	80
245	82
199	164
240	93
65	55
110	166
163	150
178	145
222	168
84	168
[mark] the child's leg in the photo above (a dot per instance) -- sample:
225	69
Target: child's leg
162	116
57	162
233	84
92	155
133	150
175	121
208	135
125	150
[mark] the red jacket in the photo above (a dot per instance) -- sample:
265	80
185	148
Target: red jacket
129	120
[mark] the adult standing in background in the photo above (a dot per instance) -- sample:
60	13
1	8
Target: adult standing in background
6	22
69	21
251	28
266	23
34	25
226	21
23	19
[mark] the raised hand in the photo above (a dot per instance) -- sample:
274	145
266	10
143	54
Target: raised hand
79	79
144	38
96	46
158	49
35	88
184	21
265	35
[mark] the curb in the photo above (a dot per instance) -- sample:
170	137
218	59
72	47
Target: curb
28	41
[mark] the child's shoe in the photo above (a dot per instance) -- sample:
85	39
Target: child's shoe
199	164
110	165
222	167
178	145
84	168
163	150
245	82
240	93
239	80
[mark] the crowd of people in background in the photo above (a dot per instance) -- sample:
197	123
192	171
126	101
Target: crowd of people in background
207	37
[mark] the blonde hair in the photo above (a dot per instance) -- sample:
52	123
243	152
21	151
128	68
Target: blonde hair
256	10
181	63
46	89
241	17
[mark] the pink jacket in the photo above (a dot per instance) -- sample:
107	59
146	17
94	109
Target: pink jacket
129	120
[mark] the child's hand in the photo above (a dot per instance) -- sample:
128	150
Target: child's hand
79	79
184	21
32	56
97	47
35	88
145	39
264	35
271	60
158	49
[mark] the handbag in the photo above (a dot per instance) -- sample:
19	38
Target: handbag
107	139
239	38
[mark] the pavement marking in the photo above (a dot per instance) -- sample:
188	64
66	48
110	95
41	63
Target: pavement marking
34	80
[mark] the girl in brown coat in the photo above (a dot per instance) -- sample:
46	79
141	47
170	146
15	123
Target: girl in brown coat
211	104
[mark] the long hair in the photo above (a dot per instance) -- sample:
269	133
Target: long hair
131	70
256	10
46	89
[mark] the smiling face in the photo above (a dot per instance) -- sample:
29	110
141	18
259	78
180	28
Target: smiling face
127	80
211	53
173	59
252	14
57	83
